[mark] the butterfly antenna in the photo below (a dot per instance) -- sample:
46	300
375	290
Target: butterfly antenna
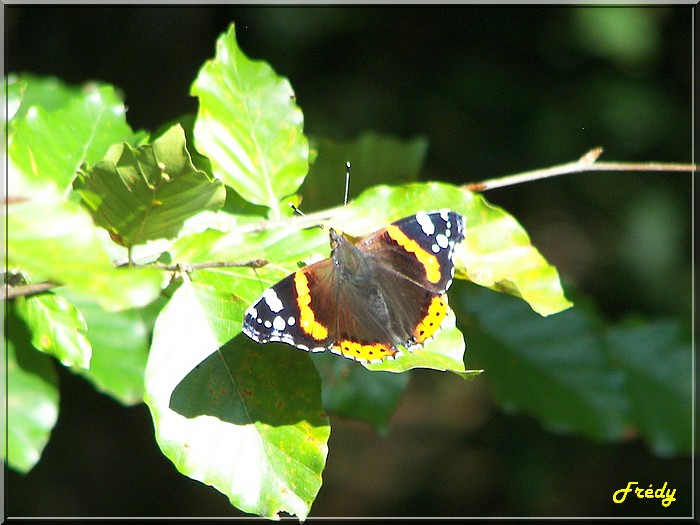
302	214
296	210
347	182
345	200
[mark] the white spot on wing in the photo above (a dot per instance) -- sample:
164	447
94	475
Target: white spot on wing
425	223
279	324
272	301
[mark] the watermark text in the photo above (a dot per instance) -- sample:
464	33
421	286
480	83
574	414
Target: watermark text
666	496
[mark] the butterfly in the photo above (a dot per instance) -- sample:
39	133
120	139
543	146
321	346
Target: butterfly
375	293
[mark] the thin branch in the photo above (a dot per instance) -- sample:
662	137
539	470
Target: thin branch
586	163
640	166
25	290
11	292
187	268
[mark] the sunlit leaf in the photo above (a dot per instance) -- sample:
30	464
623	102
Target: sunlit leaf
32	400
58	328
52	239
249	126
120	342
26	90
228	415
51	137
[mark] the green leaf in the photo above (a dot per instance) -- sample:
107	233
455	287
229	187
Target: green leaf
26	90
249	126
57	128
58	328
186	122
148	192
120	343
51	239
578	376
13	90
54	129
555	368
657	362
32	399
498	254
228	414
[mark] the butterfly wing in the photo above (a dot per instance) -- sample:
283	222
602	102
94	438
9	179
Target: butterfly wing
419	248
287	312
414	262
323	315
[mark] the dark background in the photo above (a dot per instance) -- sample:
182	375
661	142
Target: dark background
496	90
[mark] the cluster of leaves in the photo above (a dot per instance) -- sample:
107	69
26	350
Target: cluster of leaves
85	190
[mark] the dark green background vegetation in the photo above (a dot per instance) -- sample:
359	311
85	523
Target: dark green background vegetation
496	91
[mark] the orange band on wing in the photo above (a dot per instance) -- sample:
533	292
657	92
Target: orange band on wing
430	325
360	352
307	319
428	260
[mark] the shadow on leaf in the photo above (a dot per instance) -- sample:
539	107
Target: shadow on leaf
243	383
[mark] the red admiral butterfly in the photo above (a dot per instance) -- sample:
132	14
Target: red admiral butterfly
373	293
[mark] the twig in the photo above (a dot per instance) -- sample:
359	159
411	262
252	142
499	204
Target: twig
24	290
184	267
11	292
586	163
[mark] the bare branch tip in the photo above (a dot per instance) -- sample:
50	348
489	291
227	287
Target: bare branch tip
592	155
475	187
